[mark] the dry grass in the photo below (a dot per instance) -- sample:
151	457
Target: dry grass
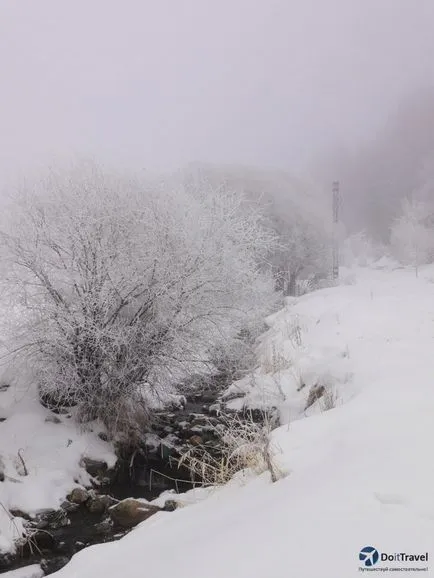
274	361
245	445
330	399
326	396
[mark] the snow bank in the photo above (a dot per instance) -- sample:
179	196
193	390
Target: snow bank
360	474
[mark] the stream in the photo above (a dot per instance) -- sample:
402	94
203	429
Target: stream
58	535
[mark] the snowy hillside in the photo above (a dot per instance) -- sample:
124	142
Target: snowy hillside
360	474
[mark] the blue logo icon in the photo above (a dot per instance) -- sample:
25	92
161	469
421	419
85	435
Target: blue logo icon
369	556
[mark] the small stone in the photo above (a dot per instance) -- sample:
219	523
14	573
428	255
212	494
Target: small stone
52	419
170	505
69	506
62	547
93	467
78	496
19	514
41	525
95	506
215	409
108	501
195	440
54	518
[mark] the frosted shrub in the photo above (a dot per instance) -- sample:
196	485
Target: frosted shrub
125	288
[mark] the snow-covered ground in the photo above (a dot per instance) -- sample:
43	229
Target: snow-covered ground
50	451
360	474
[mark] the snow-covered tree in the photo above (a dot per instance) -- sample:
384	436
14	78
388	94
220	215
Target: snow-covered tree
303	249
412	234
125	288
296	210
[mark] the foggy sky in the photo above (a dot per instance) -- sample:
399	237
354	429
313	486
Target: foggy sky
160	83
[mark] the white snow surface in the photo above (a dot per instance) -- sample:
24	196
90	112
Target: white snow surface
357	475
32	571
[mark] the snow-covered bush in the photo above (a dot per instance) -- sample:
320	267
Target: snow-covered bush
124	287
412	235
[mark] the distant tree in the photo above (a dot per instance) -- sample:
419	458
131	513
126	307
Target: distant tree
124	288
297	212
303	249
412	235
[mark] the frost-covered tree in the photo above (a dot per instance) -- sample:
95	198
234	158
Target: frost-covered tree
297	212
303	249
412	234
124	288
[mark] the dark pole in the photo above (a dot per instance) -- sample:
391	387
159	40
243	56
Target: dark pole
336	203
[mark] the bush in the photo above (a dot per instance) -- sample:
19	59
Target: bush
124	289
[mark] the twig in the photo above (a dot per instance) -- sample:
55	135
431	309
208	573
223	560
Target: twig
26	473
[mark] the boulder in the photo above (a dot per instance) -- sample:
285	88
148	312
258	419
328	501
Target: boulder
130	512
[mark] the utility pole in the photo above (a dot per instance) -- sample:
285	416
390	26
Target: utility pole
336	206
